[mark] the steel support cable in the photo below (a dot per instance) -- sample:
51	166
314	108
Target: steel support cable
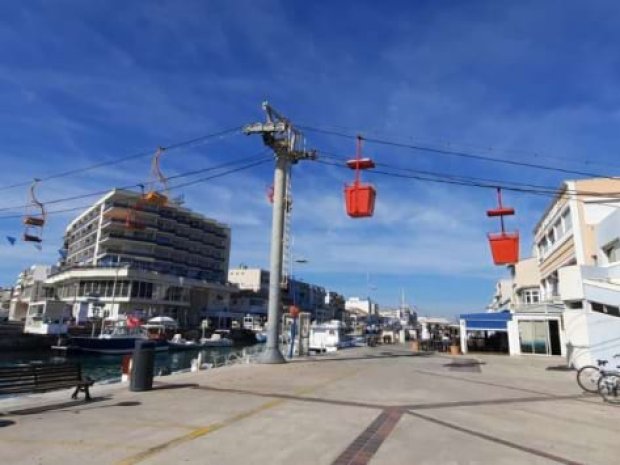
139	184
208	178
446	180
478	148
125	158
491	182
460	154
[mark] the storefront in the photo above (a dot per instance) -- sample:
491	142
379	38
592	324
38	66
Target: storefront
536	334
485	332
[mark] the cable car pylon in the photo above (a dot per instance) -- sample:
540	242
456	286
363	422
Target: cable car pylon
287	143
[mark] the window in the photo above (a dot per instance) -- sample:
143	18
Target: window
556	233
530	296
142	290
607	309
567	221
612	251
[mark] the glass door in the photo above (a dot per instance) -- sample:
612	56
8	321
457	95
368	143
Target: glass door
534	337
541	337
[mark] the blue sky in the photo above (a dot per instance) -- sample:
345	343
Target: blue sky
83	82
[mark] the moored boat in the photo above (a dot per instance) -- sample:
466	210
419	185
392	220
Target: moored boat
119	337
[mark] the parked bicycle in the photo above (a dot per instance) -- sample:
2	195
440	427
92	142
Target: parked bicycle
609	384
588	376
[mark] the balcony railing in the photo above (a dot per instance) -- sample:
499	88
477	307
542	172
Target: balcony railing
539	307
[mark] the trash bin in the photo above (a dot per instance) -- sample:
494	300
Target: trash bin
143	366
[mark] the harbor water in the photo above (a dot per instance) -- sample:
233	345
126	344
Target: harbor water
107	368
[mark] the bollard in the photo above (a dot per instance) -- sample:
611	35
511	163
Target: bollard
125	368
196	364
143	366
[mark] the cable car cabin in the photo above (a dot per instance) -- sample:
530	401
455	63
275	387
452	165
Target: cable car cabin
155	198
32	238
359	197
504	247
360	200
37	221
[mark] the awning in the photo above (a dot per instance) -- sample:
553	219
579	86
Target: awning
496	321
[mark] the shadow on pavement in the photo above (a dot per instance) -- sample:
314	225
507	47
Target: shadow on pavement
363	357
58	406
162	386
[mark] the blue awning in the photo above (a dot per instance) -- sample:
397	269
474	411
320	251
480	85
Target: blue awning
487	321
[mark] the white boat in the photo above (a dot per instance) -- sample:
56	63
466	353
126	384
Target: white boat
254	324
328	337
216	340
179	343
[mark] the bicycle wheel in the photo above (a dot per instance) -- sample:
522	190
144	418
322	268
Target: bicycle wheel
609	388
588	377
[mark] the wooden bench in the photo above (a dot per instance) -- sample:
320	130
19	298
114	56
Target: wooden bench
42	377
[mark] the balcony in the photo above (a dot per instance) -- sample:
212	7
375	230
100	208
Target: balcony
539	307
594	283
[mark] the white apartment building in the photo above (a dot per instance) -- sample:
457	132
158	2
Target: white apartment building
29	287
361	307
502	297
566	300
249	279
577	242
125	255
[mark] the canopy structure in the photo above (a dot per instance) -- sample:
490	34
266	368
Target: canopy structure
487	321
163	321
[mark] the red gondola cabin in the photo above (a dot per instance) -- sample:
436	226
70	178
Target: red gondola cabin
359	197
504	245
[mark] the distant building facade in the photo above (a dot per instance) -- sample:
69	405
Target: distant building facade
29	287
253	292
361	306
127	256
5	302
566	299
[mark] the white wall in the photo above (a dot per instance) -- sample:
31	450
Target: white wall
595	213
247	279
514	345
570	284
607	231
591	336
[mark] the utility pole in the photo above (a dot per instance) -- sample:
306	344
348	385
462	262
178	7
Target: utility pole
287	144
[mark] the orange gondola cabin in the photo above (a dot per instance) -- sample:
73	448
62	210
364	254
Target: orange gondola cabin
504	245
360	197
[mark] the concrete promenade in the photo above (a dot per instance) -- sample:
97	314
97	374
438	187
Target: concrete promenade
368	405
